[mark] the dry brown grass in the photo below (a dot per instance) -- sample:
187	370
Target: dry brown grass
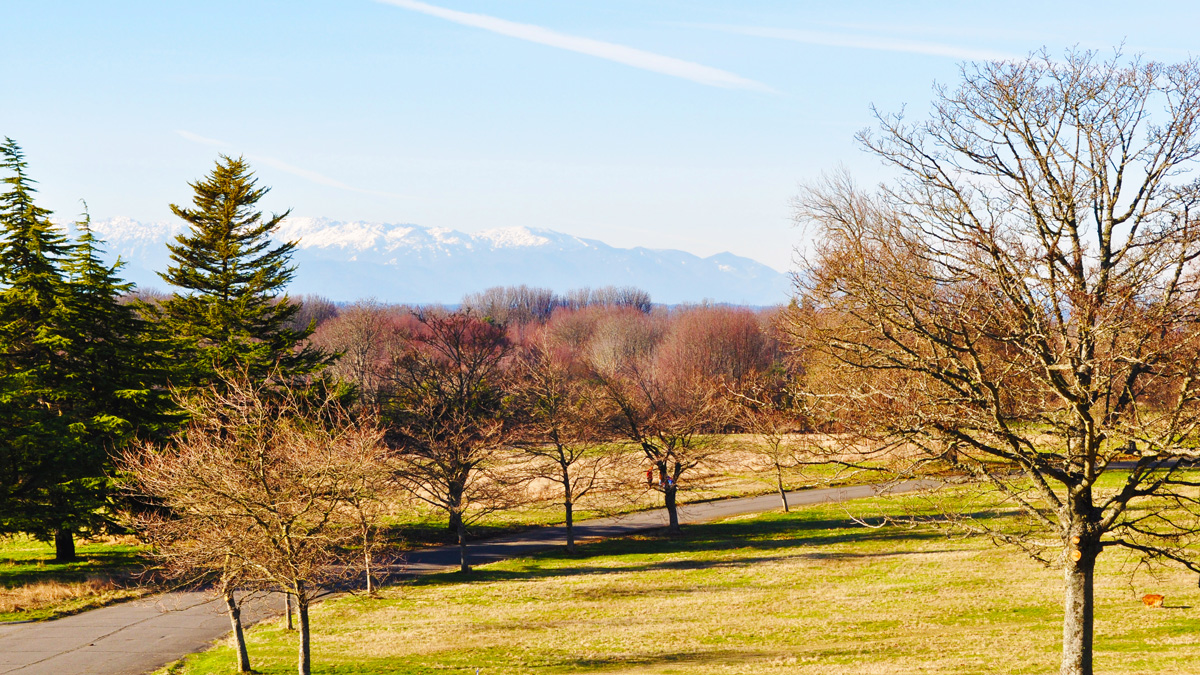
43	594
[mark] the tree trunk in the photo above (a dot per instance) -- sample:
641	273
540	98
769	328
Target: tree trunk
288	607
462	547
64	545
305	656
672	512
1077	619
239	637
367	566
782	492
568	509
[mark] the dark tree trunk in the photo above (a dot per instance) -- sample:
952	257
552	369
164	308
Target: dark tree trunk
1078	614
568	509
239	637
305	655
672	511
782	492
64	546
463	566
288	606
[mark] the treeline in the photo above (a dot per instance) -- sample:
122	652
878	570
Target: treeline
253	439
662	380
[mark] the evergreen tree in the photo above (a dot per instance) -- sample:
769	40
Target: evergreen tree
113	377
78	374
230	312
40	471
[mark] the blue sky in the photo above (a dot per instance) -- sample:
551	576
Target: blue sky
659	123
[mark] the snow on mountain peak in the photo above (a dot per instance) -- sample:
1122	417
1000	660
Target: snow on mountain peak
321	233
411	263
512	237
130	230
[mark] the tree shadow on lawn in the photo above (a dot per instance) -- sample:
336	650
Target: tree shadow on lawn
436	533
716	657
564	663
21	571
761	535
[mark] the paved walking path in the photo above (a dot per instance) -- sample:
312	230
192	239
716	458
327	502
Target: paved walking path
139	636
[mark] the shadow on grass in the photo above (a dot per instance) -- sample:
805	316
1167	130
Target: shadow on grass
435	533
544	663
651	661
766	534
21	571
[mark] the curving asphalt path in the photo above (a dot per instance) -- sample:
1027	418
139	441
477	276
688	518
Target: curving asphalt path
140	636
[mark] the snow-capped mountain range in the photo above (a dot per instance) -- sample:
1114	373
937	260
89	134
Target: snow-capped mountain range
346	261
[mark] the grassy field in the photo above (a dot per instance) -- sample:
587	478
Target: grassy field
34	587
413	524
809	592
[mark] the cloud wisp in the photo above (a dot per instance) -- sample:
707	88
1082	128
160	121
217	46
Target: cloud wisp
609	51
864	41
313	176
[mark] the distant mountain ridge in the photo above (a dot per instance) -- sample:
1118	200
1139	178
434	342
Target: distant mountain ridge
405	263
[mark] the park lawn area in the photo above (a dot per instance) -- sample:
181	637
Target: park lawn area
414	524
33	587
807	592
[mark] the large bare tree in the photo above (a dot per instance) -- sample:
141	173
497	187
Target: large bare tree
449	420
1023	300
653	377
563	428
264	488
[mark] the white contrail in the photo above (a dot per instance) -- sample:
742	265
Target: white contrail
313	176
860	41
629	56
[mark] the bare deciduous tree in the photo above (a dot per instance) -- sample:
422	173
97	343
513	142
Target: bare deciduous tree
448	418
666	408
314	310
562	425
260	489
513	305
368	336
767	407
1025	295
609	296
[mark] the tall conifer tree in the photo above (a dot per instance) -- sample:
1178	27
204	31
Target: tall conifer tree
78	374
39	446
113	378
230	309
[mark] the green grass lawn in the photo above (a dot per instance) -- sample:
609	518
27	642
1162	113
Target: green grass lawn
416	524
34	587
807	592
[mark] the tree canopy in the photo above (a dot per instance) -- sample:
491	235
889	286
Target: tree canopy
230	309
1022	300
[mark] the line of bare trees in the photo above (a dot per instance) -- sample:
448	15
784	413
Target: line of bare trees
458	392
280	486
